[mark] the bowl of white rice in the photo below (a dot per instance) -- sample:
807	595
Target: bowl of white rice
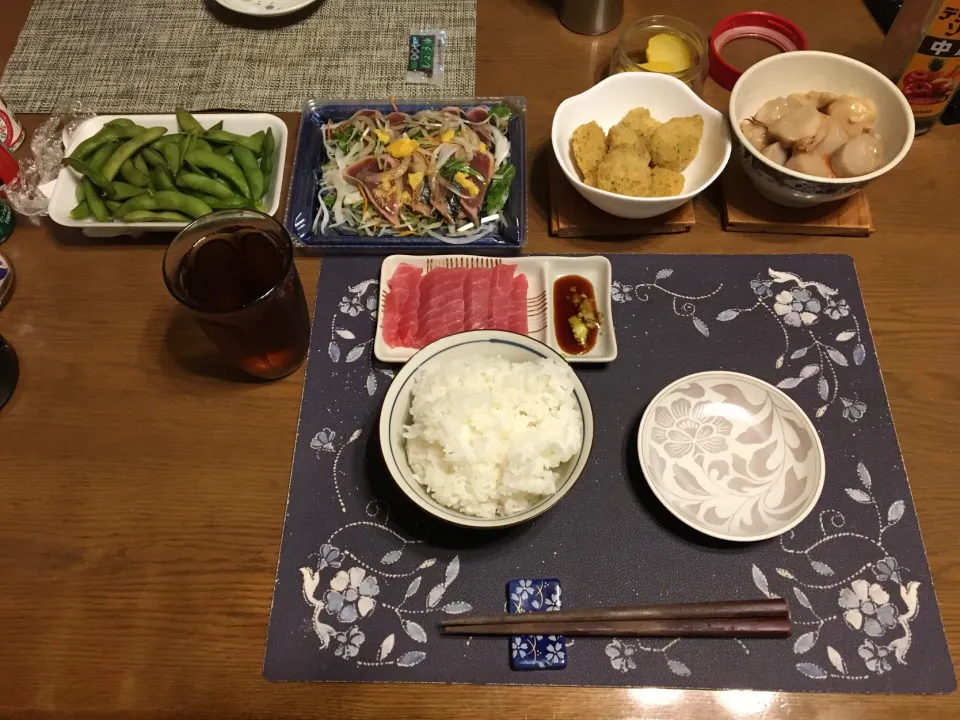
486	428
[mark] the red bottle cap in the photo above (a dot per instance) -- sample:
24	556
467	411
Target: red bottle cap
774	29
9	167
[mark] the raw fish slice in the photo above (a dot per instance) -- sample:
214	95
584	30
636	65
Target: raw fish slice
367	175
476	297
440	310
482	162
500	291
518	305
400	306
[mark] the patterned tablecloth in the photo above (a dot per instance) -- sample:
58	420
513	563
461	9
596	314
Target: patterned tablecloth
125	56
363	578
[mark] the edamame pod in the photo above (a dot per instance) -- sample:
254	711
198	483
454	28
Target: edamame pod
173	137
171	153
223	167
161	179
186	145
251	170
179	202
125	191
253	143
187	122
78	193
202	144
205	185
140	164
102	154
229	203
94	201
104	136
140	202
153	158
113	205
119	122
155	216
95	176
215	128
132	174
126	151
82	210
223	151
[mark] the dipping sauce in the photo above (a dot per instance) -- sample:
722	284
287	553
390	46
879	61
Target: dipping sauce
576	317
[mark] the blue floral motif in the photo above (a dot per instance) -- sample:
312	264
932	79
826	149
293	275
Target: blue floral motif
536	652
329	556
349	643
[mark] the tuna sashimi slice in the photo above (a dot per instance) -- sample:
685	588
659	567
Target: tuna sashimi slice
400	306
500	291
518	305
441	308
476	298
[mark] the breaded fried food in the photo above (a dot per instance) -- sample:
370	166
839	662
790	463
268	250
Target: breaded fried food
624	172
674	144
623	137
589	145
640	122
665	182
590	178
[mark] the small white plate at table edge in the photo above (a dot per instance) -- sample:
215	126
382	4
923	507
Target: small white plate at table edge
605	349
256	8
788	405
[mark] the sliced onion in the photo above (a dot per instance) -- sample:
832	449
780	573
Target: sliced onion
463	239
501	146
323	217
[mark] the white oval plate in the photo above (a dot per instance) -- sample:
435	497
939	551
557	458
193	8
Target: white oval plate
541	271
265	8
731	456
396	413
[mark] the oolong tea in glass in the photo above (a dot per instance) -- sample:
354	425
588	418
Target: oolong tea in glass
234	269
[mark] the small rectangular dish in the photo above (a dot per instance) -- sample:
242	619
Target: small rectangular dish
64	199
541	272
311	153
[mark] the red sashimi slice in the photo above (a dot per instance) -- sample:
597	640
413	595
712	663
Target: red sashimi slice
518	305
441	309
477	114
367	175
476	299
482	162
400	306
396	118
500	300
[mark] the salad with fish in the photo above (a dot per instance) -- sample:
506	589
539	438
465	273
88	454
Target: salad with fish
443	173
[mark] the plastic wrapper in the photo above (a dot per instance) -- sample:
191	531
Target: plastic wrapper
29	193
425	56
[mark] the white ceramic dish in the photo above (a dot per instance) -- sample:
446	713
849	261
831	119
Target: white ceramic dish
541	272
665	97
801	71
396	413
265	8
731	456
64	200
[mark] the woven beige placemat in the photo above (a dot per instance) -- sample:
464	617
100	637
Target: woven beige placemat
150	55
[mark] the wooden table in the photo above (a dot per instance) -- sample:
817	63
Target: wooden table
142	489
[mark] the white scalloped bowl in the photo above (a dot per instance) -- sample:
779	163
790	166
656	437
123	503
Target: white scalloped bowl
665	97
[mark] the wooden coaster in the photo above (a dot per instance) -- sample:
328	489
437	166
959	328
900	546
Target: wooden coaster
572	216
746	210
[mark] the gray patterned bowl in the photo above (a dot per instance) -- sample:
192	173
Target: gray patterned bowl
731	456
812	70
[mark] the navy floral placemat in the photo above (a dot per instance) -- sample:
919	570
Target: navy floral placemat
364	578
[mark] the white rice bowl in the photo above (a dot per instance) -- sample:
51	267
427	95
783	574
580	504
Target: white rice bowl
487	435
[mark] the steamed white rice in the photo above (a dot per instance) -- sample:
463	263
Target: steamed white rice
487	434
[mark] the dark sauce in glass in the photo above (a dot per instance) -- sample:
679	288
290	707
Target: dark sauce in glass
564	308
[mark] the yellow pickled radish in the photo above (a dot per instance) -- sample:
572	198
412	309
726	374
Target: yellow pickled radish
668	50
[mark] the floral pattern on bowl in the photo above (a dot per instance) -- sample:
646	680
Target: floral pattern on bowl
792	191
730	455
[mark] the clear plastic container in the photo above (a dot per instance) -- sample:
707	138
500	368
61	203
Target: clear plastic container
631	48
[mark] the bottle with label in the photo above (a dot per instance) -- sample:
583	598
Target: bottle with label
921	54
11	132
7	222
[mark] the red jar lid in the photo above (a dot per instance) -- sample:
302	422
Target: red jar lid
9	167
775	29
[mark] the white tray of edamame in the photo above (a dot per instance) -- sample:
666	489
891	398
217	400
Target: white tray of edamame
64	193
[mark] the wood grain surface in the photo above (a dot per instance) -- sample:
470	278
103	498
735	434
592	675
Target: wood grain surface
142	487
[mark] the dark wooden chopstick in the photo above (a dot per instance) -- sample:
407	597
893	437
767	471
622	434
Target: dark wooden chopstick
757	627
772	608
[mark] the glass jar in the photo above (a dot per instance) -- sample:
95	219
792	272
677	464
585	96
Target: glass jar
631	48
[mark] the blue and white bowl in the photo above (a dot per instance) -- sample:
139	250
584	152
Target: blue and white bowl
806	70
396	413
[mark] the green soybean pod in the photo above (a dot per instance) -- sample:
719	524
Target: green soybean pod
161	179
103	154
202	144
214	128
132	174
201	184
113	205
95	176
251	170
128	131
140	202
153	158
253	143
173	137
222	166
229	203
171	153
223	151
187	122
119	122
140	164
78	193
179	202
126	151
186	144
94	201
155	216
125	191
82	210
266	159
102	137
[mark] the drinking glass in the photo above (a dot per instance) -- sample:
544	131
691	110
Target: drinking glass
234	270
